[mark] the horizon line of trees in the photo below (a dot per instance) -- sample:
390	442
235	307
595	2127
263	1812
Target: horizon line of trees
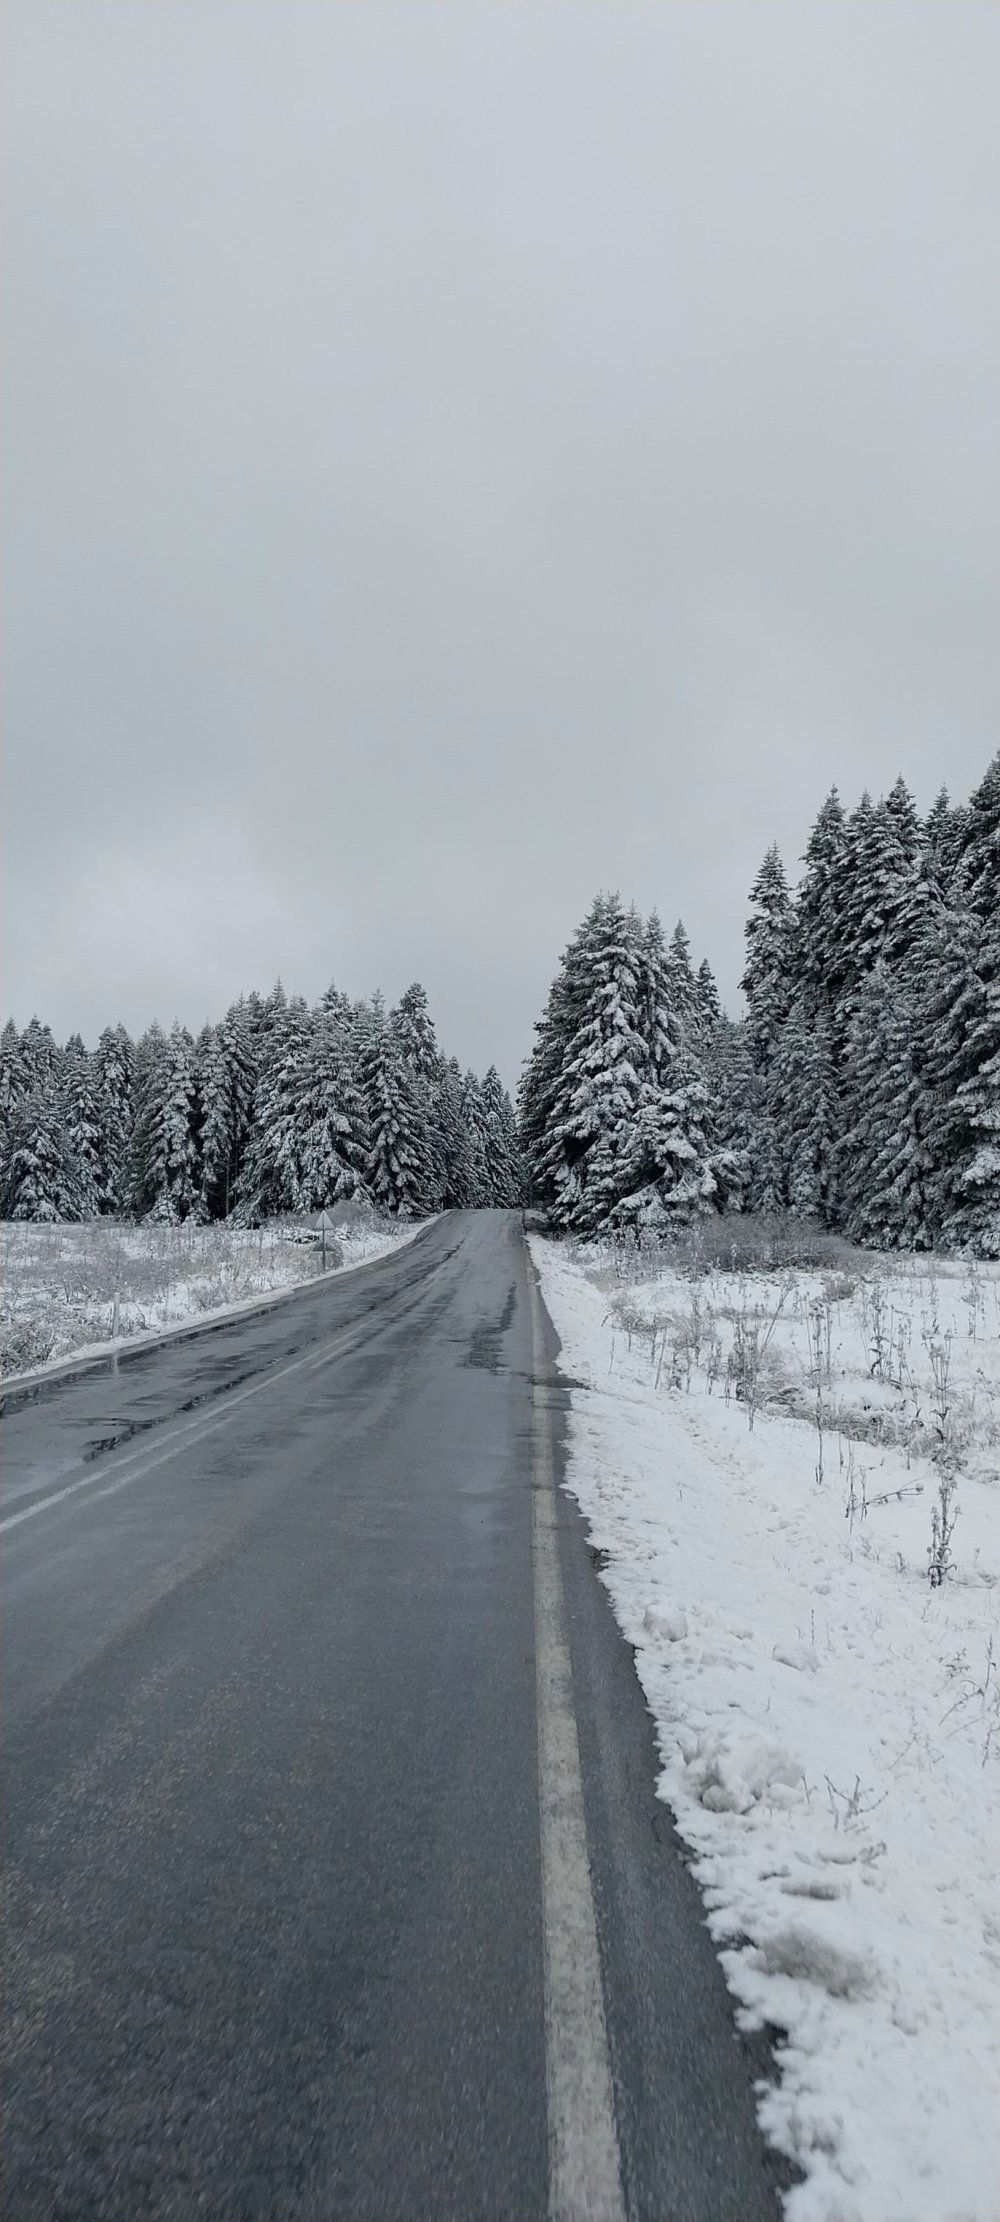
861	1090
280	1107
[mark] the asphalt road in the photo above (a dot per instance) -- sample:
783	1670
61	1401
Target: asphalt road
334	1880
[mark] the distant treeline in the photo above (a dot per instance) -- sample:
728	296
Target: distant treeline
278	1108
862	1090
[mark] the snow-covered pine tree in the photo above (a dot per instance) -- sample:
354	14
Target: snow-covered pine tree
162	1182
683	992
735	1091
201	1059
771	961
596	1100
141	1174
39	1175
38	1056
902	812
11	1069
331	1120
474	1121
660	1017
978	853
336	1004
885	1161
458	1159
395	1163
239	1051
413	1032
943	830
81	1118
664	1171
614	1111
881	895
772	969
504	1178
708	1009
11	1089
41	1180
513	1153
215	1136
817	910
114	1090
543	1075
807	1112
966	1058
270	1177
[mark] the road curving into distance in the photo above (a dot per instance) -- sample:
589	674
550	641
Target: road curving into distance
335	1884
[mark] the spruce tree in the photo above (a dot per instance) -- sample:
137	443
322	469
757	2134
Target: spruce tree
683	992
546	1154
886	1163
216	1135
270	1177
771	960
11	1068
504	1177
461	1180
41	1180
162	1169
664	1169
114	1090
598	1092
741	1152
395	1161
474	1121
659	1014
331	1120
902	812
413	1032
966	1011
707	1005
817	908
807	1113
81	1117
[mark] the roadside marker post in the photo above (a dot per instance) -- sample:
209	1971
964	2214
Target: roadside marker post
325	1225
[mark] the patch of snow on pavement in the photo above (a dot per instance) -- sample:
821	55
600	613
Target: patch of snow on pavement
828	1729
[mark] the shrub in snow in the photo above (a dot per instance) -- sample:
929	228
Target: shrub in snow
943	1517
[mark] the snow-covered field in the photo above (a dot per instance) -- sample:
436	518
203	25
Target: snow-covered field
761	1457
59	1285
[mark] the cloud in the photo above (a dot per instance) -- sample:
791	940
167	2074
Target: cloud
459	459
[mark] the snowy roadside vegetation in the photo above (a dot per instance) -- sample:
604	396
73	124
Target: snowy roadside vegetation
70	1288
788	1451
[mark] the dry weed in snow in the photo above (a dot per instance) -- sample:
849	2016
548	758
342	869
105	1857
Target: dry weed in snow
70	1288
793	1477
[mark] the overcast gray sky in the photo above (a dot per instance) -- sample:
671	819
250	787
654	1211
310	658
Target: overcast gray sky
459	457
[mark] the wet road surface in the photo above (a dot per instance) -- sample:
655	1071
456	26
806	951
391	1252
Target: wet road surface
277	1940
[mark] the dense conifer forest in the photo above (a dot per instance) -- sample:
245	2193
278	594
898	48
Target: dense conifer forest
862	1089
278	1108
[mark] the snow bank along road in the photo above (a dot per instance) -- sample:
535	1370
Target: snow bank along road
335	1884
